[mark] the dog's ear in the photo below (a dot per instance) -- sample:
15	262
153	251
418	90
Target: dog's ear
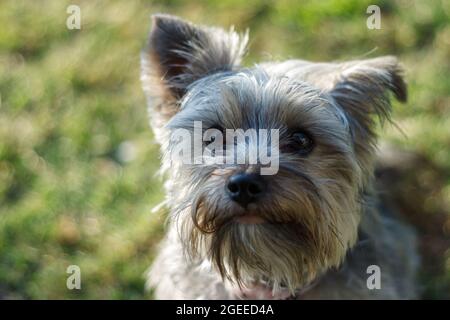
362	89
179	53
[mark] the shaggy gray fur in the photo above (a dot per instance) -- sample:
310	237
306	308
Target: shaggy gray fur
324	225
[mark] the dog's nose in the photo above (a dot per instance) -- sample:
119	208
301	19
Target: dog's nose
245	188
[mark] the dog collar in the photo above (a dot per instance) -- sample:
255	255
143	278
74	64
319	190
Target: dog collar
261	291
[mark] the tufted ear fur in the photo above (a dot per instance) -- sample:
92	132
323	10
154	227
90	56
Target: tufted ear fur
178	53
362	89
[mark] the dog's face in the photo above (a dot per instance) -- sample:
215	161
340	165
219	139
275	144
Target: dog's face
285	228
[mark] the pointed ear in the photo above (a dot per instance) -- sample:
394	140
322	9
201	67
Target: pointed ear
362	89
178	53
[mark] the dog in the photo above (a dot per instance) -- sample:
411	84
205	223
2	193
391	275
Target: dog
313	230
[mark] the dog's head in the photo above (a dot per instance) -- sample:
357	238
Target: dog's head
288	227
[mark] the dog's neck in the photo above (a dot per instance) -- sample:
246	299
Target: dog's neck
262	291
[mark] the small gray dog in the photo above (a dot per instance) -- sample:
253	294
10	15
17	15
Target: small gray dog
313	230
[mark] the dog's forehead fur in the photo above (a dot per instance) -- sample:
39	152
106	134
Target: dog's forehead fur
254	98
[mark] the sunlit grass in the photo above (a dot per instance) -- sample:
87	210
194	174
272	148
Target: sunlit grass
71	100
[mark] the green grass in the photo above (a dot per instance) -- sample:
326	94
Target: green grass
72	106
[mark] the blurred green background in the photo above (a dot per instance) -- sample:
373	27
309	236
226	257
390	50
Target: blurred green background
77	160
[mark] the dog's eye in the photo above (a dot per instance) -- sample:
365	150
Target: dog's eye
213	133
299	142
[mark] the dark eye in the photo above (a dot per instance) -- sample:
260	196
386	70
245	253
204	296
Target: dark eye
214	134
299	142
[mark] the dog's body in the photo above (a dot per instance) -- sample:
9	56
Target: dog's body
310	231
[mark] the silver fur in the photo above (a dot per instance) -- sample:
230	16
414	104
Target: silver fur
324	224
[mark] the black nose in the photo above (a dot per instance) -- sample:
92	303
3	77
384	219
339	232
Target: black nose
245	188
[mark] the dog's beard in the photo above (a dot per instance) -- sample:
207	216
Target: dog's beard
288	249
277	253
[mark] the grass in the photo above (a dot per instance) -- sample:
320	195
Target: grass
77	160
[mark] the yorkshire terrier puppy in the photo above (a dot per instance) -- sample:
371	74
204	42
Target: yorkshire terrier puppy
312	227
